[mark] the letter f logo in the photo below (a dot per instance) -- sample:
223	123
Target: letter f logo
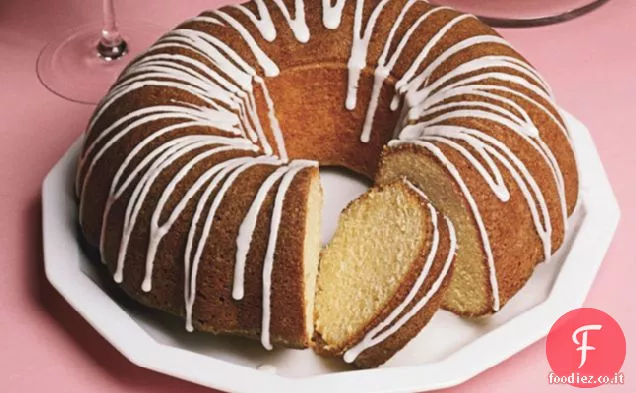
583	344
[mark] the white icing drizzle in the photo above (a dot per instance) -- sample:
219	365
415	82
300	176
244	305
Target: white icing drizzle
230	107
225	87
359	48
332	14
452	170
392	323
269	67
268	264
422	100
265	25
140	193
522	126
384	68
246	231
234	168
488	149
430	104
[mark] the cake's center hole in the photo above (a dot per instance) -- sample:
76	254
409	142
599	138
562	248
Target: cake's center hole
340	186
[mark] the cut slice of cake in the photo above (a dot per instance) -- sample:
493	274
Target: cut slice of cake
383	275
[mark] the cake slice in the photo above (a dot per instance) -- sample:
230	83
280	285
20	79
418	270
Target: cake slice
383	275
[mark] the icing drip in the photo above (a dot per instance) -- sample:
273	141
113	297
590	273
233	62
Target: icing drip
268	264
265	25
233	168
139	117
298	24
515	119
332	15
392	323
384	68
230	108
521	126
359	49
140	192
452	170
269	67
423	100
489	149
246	231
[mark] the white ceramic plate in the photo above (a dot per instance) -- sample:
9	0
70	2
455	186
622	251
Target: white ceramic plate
447	352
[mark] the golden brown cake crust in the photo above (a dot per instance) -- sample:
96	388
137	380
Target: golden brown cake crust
515	250
215	311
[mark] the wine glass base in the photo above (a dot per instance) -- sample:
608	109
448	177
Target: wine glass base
71	67
503	14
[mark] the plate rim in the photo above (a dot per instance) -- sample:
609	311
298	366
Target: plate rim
588	249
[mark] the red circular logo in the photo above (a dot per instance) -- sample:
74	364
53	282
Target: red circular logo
586	348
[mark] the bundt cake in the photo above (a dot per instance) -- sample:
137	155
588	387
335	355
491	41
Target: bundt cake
198	179
374	296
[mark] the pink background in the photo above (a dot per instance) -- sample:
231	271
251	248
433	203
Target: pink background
46	346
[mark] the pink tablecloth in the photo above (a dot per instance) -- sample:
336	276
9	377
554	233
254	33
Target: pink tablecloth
46	346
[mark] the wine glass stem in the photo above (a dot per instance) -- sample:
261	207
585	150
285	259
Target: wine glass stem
111	46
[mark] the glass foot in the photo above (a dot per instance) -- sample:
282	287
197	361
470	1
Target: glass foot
72	67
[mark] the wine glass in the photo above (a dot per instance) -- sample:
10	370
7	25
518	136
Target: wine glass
82	64
524	13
